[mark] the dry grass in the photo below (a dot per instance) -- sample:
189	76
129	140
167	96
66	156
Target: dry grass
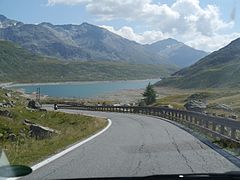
26	150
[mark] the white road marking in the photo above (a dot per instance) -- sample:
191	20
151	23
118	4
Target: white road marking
56	156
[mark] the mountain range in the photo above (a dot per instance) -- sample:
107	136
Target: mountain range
176	52
19	65
88	42
217	70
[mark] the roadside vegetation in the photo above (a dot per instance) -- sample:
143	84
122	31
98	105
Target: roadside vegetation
22	148
220	102
149	95
223	102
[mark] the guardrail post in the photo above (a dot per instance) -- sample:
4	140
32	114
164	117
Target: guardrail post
173	115
214	126
222	129
176	116
195	120
206	124
183	116
163	114
233	133
168	114
154	112
159	112
191	119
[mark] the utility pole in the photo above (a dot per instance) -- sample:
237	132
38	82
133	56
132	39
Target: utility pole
38	95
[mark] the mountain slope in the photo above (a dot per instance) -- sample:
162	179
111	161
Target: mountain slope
219	69
88	42
77	42
176	52
5	22
18	65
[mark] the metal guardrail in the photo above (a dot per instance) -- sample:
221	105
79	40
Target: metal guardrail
217	127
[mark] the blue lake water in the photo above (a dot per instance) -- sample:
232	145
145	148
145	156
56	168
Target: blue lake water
84	89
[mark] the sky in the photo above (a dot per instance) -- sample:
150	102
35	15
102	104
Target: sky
203	24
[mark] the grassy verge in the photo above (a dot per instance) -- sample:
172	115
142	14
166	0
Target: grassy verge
26	150
213	97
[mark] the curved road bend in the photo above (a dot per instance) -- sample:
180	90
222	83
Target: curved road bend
136	145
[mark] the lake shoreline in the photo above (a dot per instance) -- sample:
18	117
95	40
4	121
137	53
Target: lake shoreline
13	84
119	90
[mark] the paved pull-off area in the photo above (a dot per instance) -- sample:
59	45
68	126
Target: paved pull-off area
136	145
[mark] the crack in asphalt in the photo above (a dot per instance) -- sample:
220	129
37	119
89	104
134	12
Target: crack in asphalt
200	156
136	146
142	148
178	149
138	167
219	160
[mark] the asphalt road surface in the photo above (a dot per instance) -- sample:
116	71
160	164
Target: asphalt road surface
136	145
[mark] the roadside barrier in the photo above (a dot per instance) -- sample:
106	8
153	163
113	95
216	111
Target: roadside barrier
217	127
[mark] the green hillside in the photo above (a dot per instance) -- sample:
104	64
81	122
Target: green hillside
17	65
219	69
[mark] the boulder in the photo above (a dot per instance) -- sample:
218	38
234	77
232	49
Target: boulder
8	95
194	105
5	113
12	137
34	104
168	106
40	132
224	107
27	122
12	103
6	104
233	117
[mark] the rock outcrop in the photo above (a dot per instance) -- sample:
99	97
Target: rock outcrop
34	104
194	105
5	113
38	131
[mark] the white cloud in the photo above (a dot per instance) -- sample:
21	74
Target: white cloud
67	2
210	43
143	38
185	20
195	40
